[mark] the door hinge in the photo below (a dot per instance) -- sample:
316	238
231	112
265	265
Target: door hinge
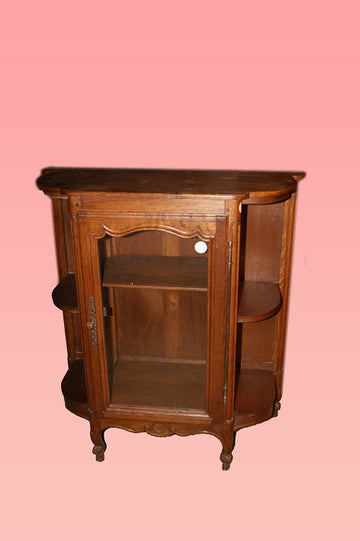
225	393
229	261
107	311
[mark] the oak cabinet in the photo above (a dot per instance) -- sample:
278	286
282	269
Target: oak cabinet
174	288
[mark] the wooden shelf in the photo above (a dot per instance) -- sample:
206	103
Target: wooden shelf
255	397
150	384
258	301
74	389
64	294
154	384
176	385
156	272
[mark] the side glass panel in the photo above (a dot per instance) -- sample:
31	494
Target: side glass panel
155	298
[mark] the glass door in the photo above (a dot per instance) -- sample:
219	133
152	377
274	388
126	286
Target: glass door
155	312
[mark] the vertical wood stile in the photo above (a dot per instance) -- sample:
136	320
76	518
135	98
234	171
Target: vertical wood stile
235	235
63	269
285	267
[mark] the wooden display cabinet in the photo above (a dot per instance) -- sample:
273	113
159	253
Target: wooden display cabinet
174	288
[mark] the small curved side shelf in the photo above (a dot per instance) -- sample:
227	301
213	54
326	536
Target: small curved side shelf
74	389
255	397
64	294
258	301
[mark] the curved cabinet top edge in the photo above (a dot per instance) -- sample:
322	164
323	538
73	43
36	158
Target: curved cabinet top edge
224	184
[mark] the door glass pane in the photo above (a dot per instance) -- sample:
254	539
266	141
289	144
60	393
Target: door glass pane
154	288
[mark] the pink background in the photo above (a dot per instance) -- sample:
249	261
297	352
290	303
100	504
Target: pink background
247	85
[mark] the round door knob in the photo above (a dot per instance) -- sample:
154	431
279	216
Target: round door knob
201	247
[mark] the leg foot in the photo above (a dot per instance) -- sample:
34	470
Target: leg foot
226	460
226	454
277	407
99	453
97	437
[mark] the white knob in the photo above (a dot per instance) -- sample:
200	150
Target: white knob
200	247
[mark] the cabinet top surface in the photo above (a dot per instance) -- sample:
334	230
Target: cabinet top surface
228	183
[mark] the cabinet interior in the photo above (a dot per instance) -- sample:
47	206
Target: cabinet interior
155	293
259	271
154	289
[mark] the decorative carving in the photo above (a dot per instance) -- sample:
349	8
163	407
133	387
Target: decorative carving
164	429
204	231
159	429
91	324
